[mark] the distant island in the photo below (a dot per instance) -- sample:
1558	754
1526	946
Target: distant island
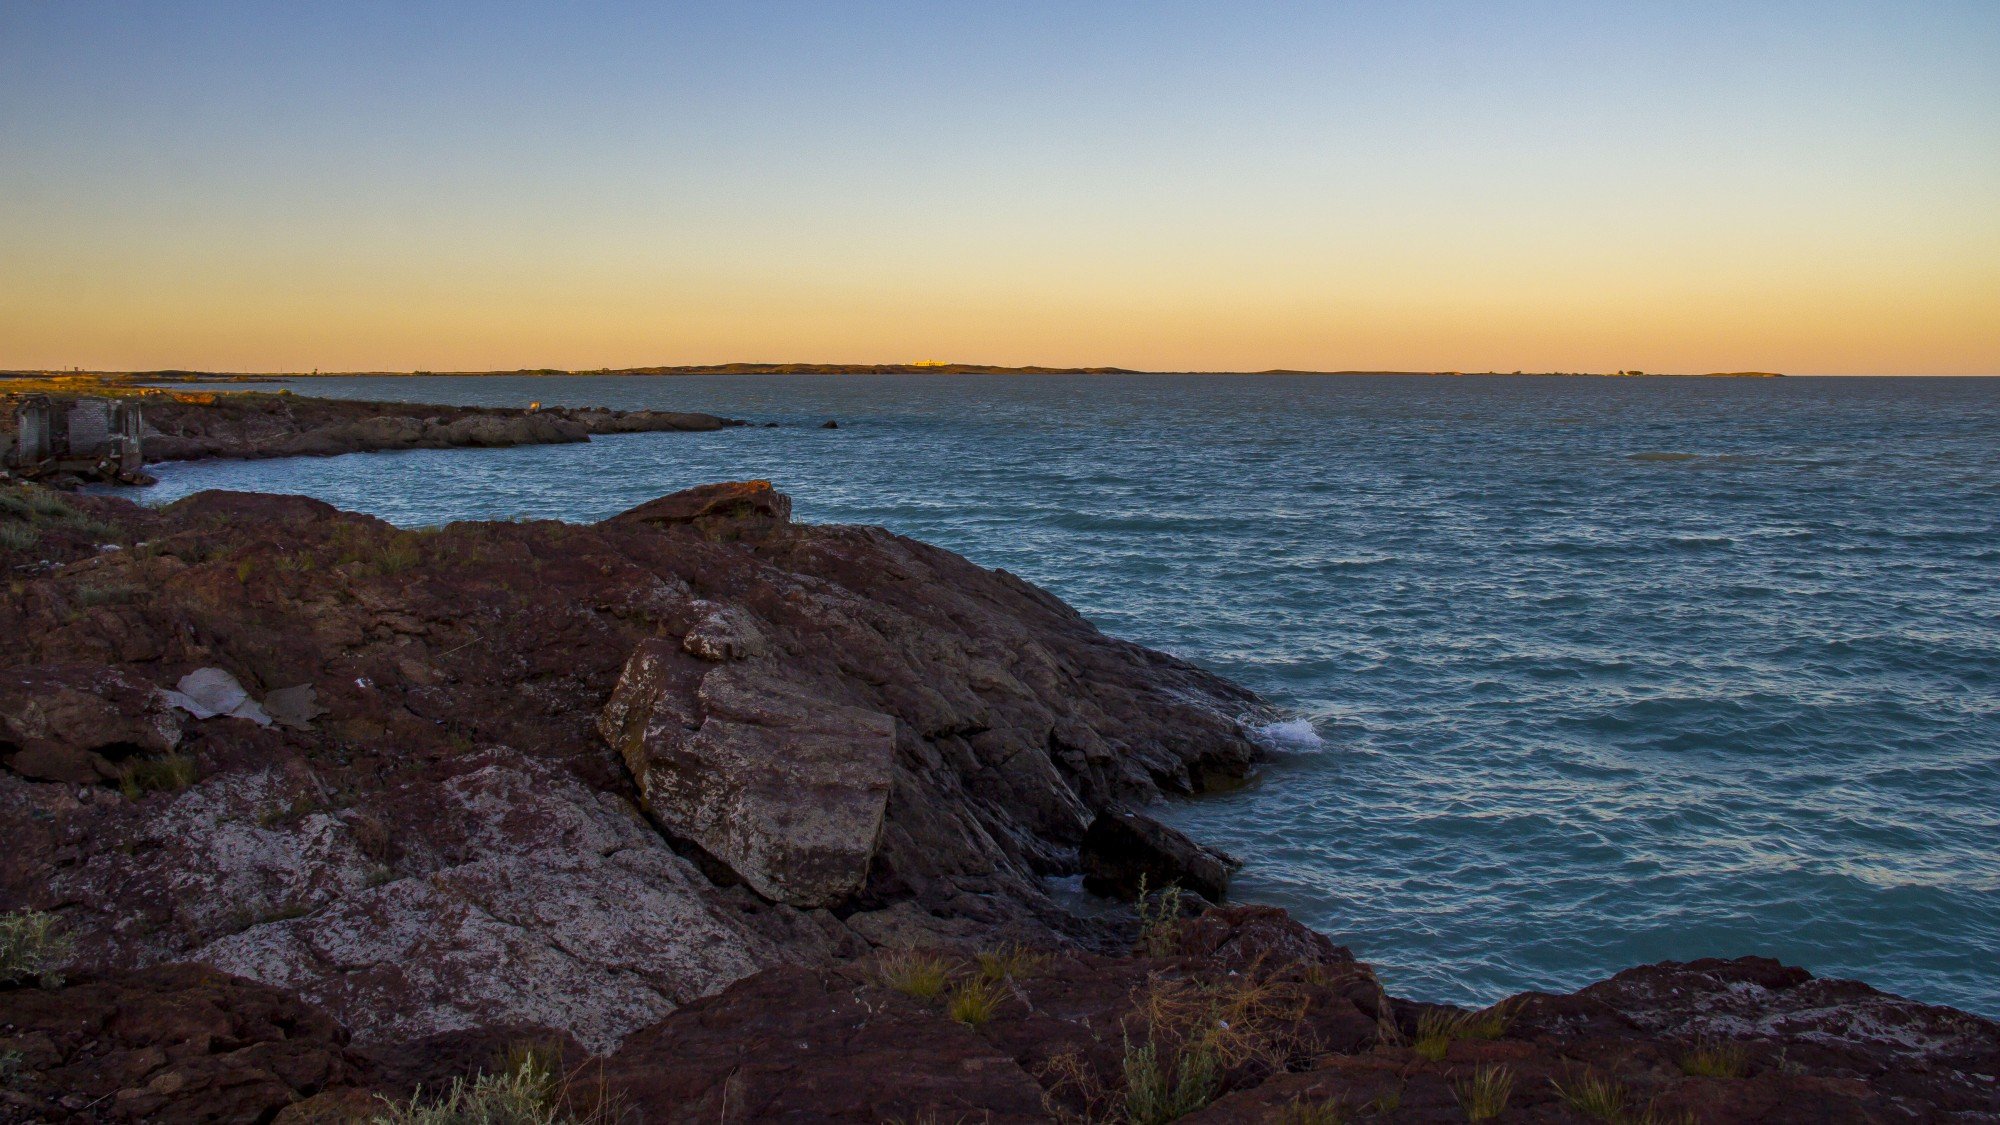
921	367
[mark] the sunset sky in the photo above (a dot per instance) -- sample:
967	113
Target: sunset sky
1803	187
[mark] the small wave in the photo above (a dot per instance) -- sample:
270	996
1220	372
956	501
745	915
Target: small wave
1294	735
1663	457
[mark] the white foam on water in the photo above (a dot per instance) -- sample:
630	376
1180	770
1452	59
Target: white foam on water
1294	735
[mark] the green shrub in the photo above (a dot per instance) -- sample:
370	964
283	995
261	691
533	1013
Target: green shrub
87	596
31	948
18	536
1159	920
1159	1090
527	1093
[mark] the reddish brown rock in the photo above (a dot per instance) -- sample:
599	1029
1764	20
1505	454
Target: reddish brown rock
800	1046
453	845
77	723
175	1043
751	501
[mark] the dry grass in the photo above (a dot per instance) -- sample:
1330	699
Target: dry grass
922	975
1715	1059
1484	1095
32	948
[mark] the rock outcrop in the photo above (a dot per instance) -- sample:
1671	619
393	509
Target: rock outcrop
556	775
192	426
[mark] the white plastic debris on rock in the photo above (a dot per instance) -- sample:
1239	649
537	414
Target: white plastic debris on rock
208	692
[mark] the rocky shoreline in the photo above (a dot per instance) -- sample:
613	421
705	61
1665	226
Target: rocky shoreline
701	814
200	425
189	426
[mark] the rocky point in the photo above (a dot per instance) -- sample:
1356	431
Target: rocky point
736	819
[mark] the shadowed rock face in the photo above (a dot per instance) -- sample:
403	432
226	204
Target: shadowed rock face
566	776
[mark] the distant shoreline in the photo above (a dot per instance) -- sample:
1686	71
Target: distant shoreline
186	376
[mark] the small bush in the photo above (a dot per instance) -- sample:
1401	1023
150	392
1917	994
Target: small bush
31	948
18	536
49	506
1159	1090
1159	920
922	975
1485	1094
87	596
399	554
527	1091
1593	1095
1715	1059
973	1003
169	774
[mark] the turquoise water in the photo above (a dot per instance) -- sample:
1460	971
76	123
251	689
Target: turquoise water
1585	673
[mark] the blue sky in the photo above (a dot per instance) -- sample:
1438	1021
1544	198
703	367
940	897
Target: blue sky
1562	186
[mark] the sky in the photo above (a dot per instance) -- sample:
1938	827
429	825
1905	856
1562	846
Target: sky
1590	186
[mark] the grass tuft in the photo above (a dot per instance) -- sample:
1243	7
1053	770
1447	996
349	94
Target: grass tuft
1593	1095
1485	1094
973	1003
169	774
1715	1059
32	948
1009	962
922	975
18	536
1438	1027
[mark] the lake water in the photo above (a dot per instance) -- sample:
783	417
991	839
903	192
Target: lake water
1584	672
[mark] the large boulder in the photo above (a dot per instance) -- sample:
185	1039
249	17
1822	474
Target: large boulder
751	500
784	786
1124	852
